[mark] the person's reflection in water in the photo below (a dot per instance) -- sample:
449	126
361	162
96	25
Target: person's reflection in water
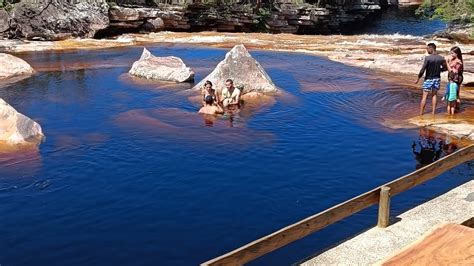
448	147
209	120
431	148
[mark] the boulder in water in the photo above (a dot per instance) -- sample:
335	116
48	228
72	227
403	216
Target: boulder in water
16	128
244	70
168	68
13	66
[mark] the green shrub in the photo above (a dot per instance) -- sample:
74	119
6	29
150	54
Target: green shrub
448	10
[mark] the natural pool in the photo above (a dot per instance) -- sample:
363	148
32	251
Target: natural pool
130	175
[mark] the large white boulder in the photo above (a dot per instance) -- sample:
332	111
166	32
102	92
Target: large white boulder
168	68
13	66
16	128
244	70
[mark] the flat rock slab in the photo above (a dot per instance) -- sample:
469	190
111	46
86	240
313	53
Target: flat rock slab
168	68
459	128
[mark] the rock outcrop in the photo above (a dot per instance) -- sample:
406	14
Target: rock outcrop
168	68
58	19
13	66
457	32
154	25
4	21
281	16
244	70
16	128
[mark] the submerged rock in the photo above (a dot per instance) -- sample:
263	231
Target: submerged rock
53	20
13	66
244	70
16	128
168	68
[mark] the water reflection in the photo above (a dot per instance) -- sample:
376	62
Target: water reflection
19	160
177	124
431	146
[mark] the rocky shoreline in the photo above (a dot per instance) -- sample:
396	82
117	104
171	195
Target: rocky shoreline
57	20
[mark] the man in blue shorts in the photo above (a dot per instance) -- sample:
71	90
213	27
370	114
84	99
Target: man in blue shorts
433	66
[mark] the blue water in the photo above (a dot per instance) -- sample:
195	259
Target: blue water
129	174
402	20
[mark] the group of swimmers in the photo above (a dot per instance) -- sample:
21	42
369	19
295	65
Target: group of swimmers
433	65
213	103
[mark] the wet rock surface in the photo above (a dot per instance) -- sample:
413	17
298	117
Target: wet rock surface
168	68
459	128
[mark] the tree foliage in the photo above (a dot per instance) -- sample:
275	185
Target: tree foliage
448	10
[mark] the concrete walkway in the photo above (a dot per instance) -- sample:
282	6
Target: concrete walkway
456	206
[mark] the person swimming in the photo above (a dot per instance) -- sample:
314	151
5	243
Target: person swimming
209	107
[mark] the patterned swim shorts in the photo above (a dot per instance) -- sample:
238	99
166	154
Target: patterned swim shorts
430	84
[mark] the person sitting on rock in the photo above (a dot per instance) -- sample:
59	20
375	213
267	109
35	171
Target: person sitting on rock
209	108
230	95
209	91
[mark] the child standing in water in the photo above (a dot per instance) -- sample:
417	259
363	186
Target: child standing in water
454	65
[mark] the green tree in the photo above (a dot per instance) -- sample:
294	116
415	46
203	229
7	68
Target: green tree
448	10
